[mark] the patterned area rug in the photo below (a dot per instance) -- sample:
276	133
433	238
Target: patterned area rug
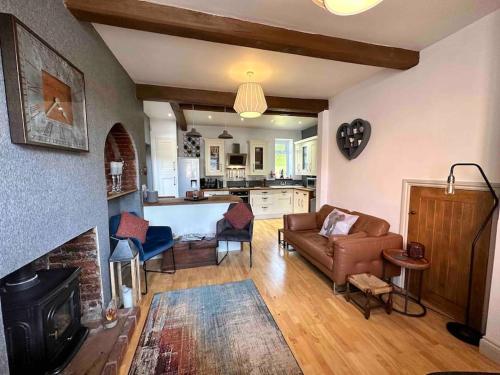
220	329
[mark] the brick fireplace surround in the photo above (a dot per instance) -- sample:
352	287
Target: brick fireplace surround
82	251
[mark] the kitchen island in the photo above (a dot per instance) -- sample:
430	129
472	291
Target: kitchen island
189	217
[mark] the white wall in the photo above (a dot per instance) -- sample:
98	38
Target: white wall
242	136
444	110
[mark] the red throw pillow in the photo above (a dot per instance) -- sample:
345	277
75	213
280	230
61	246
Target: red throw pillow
132	226
239	216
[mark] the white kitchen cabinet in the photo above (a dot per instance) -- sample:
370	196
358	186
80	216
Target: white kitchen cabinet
274	203
258	158
300	201
214	157
306	157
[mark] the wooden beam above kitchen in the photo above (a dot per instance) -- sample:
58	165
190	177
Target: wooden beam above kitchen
163	19
211	108
188	97
179	116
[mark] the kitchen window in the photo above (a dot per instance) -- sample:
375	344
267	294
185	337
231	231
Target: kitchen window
283	157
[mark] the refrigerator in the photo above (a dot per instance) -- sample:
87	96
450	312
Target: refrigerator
189	175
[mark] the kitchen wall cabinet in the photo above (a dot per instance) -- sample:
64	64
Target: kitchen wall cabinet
306	157
214	157
258	158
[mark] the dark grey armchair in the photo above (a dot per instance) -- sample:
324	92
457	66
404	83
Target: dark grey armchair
226	232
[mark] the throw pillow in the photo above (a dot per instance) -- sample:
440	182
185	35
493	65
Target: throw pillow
239	216
337	222
132	226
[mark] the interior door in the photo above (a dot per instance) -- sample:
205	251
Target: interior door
165	161
447	225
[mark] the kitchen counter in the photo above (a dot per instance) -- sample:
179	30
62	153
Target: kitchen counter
182	201
277	187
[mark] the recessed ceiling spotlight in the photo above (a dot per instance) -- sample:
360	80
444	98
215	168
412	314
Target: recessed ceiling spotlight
210	117
242	119
300	122
169	114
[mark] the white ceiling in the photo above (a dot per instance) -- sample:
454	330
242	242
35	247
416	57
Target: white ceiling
413	24
161	110
166	60
233	120
172	61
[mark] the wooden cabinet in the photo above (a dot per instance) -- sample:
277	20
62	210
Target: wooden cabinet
300	202
306	157
274	203
214	157
258	158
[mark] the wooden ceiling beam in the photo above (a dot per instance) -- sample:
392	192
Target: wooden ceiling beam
208	108
184	96
163	19
179	116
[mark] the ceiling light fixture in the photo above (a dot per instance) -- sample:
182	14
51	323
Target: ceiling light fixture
250	100
347	7
225	134
209	117
169	115
193	133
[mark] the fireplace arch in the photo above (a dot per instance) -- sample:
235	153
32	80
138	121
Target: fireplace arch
120	146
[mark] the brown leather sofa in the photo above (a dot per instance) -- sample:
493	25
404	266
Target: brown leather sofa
338	256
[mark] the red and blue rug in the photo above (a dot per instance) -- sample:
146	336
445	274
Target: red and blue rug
219	329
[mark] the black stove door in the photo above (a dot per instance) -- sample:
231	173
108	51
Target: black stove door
61	319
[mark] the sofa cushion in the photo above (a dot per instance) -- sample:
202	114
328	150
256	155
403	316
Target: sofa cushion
306	221
132	226
330	223
311	243
373	226
342	237
324	211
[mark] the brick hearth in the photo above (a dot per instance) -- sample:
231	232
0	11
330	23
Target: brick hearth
81	251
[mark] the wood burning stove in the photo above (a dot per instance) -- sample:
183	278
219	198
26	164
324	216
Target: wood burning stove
42	320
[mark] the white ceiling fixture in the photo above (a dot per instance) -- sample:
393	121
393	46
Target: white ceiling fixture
347	7
250	99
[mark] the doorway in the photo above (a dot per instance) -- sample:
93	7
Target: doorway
446	225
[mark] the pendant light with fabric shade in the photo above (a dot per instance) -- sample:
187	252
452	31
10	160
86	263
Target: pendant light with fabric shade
225	134
250	100
193	133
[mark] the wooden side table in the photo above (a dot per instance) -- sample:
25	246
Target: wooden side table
370	286
399	258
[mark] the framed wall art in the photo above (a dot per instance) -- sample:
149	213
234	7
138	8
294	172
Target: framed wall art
45	92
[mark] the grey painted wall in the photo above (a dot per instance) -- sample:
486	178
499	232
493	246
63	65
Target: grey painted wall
48	197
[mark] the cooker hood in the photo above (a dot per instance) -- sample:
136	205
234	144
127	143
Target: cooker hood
236	159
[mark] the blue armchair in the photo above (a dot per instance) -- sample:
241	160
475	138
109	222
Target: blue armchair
158	240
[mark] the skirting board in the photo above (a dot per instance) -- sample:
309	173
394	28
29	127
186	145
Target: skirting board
490	349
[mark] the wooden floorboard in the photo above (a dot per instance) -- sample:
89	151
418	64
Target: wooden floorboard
326	334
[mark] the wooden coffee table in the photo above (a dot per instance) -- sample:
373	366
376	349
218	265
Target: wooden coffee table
399	258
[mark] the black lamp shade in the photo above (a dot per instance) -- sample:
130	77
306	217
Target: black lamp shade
225	135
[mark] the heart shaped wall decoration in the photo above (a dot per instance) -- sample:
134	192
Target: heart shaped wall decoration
352	138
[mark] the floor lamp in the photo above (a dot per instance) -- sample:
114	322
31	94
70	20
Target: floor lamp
462	331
